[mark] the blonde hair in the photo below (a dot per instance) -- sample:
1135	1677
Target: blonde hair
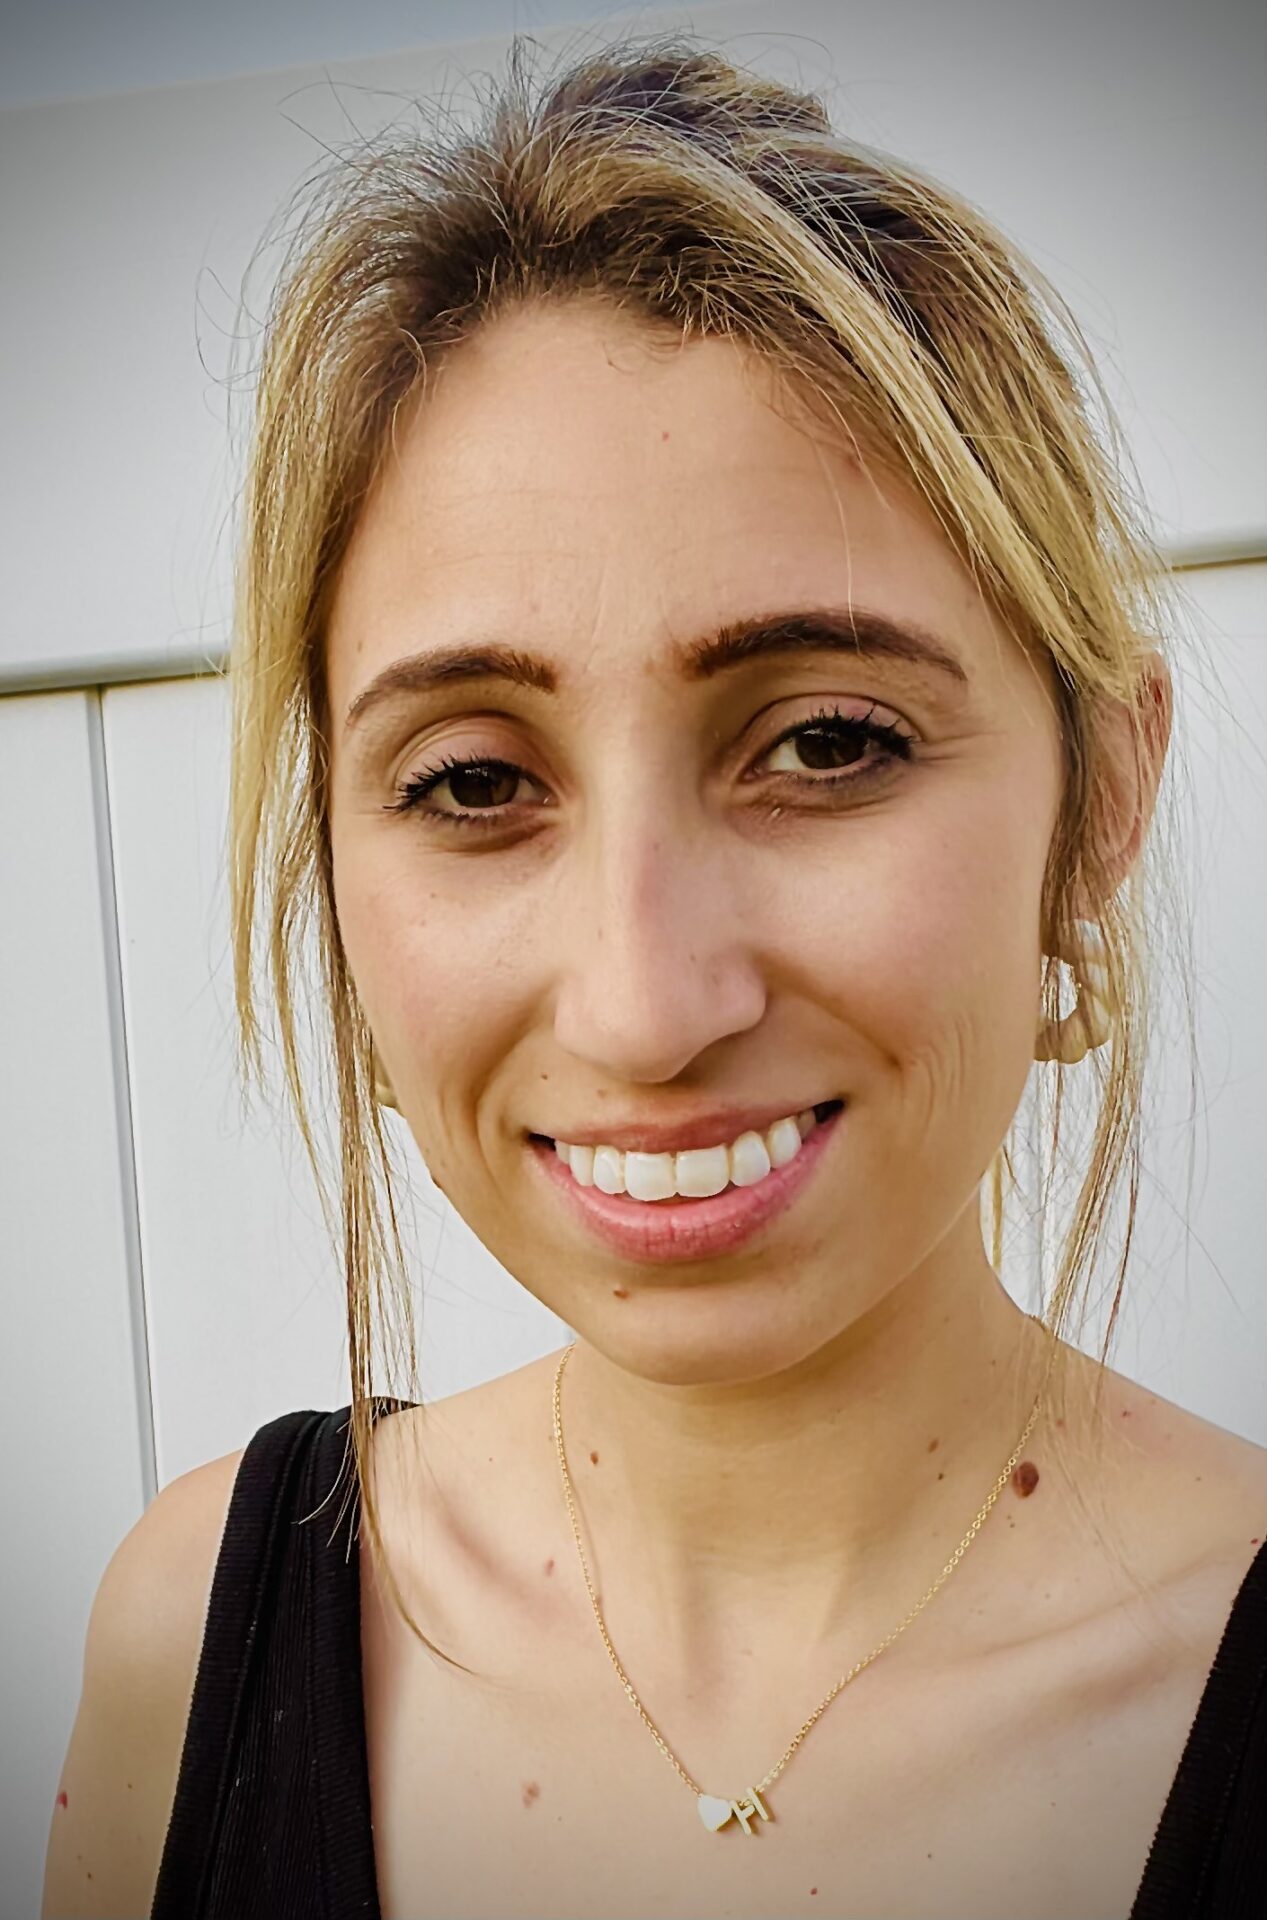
696	196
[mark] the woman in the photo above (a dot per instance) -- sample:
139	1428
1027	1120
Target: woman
700	666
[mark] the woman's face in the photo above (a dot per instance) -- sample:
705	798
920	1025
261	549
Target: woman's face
652	916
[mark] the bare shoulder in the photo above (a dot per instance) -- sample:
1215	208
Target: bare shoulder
463	1495
1238	1465
475	1432
1168	1511
141	1652
1168	1463
1220	1483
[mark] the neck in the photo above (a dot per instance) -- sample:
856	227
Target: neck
800	1506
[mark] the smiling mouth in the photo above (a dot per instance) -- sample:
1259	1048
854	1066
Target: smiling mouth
660	1230
822	1110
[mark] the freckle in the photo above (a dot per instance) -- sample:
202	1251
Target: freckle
593	1459
1126	1413
531	1792
620	1293
62	1801
549	1566
941	1476
1025	1479
1060	1423
933	1445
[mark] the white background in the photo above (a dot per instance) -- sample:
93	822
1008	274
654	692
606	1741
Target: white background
165	1281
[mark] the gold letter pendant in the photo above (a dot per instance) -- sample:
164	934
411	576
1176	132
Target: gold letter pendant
715	1813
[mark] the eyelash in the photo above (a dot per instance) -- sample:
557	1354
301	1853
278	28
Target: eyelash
829	721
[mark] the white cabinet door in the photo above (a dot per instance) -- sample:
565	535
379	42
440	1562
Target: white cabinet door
74	1395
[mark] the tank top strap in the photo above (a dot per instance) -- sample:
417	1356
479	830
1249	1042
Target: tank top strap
271	1816
343	1851
1208	1859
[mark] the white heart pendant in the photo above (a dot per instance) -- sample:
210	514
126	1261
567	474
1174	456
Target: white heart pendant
713	1812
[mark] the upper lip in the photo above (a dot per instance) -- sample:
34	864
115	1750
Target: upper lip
717	1128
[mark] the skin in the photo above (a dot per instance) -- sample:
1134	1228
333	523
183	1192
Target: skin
788	1433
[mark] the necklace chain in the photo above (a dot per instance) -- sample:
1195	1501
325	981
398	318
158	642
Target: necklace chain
854	1671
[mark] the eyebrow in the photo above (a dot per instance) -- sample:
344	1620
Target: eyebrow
737	643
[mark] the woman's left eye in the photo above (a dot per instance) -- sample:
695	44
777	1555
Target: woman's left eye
482	787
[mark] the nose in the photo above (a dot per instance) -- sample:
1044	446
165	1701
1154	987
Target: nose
658	950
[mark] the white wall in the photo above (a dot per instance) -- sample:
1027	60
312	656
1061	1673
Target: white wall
74	1377
165	1283
73	47
1122	143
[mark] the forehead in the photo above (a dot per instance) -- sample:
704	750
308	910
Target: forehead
573	479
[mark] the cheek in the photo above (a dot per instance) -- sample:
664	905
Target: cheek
433	971
932	949
402	955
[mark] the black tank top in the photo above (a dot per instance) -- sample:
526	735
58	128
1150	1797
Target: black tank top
271	1819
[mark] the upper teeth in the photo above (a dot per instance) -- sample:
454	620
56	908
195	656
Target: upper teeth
695	1173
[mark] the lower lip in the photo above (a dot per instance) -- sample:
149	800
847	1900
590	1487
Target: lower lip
686	1229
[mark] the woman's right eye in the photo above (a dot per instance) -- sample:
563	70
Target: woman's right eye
501	776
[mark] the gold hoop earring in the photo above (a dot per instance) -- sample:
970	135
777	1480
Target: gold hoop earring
1090	1022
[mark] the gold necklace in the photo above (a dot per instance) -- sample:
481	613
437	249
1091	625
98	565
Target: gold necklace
713	1810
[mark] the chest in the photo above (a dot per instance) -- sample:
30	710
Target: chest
1024	1786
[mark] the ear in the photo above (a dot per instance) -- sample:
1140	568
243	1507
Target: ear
1135	741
